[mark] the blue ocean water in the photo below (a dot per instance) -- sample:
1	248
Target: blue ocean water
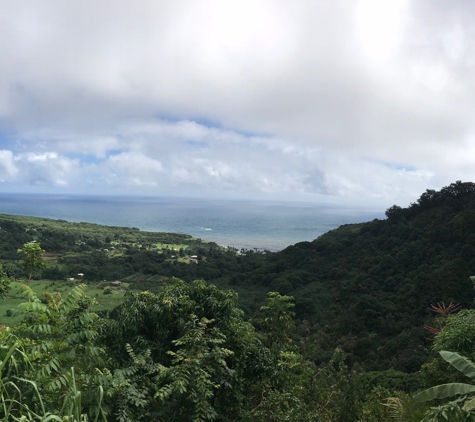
266	225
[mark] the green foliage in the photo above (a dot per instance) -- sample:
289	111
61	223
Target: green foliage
131	387
391	380
402	408
296	390
457	333
364	287
444	390
385	405
277	320
203	353
450	412
186	351
183	354
59	337
288	393
453	410
24	399
33	260
375	408
5	282
198	370
367	287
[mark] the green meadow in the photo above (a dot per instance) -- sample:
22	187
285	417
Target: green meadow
10	313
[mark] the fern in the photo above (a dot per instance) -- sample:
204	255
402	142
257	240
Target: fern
60	335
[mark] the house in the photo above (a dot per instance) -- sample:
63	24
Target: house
194	257
193	260
80	275
115	283
70	278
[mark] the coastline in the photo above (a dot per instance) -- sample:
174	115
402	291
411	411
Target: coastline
241	224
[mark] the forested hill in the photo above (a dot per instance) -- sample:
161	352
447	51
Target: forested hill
367	287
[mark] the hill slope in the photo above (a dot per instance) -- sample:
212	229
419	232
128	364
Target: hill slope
367	287
363	287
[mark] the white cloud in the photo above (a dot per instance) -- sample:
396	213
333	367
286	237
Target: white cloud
306	99
46	169
135	169
8	170
222	162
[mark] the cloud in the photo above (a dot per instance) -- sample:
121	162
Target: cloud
308	99
8	170
135	168
46	169
220	162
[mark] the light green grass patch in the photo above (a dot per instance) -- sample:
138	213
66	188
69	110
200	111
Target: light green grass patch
16	296
176	246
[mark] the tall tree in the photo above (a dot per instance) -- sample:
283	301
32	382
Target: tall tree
4	282
34	260
199	356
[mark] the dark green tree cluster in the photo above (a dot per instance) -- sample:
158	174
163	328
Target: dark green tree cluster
188	354
363	287
348	347
184	354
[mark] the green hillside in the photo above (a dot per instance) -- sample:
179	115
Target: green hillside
366	288
326	331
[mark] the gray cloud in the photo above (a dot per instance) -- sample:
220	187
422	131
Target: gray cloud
308	99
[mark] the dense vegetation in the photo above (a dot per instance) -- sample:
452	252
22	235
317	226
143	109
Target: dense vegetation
352	327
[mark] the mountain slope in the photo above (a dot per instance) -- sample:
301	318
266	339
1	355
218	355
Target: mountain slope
367	287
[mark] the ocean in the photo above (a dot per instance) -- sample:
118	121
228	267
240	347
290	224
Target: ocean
265	225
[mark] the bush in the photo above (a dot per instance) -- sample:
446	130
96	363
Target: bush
107	290
10	312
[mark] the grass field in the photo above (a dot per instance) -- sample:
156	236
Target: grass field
159	246
16	296
176	246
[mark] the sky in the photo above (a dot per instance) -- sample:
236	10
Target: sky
365	103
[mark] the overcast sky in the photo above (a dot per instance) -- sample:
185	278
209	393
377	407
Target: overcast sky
359	102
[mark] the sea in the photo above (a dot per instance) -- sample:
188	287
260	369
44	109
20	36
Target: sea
249	224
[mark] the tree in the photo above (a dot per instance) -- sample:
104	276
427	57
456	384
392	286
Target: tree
277	320
467	368
33	260
4	282
200	357
59	337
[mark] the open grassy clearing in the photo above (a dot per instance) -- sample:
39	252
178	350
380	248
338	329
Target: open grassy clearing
16	296
176	246
158	246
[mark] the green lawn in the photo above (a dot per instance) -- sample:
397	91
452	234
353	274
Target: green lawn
158	245
176	246
16	296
